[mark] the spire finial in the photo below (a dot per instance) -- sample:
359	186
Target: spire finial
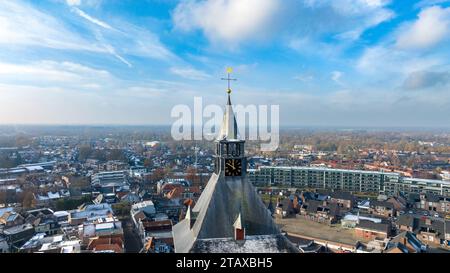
229	79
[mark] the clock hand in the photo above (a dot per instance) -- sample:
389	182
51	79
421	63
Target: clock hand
232	166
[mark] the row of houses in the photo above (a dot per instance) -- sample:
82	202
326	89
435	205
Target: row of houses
89	228
373	220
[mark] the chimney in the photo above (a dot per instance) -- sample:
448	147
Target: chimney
296	202
239	230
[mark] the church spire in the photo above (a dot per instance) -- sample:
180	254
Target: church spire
228	128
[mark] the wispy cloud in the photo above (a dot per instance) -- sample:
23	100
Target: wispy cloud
189	73
336	77
23	25
92	19
51	73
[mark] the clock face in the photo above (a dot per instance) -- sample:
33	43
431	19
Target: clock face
233	167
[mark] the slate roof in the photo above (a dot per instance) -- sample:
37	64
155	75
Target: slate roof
274	243
217	209
398	245
385	204
407	220
342	195
369	225
411	238
420	224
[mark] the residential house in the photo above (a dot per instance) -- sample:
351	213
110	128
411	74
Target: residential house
399	203
10	219
429	230
372	230
433	202
106	243
345	200
40	243
161	229
284	208
382	208
16	236
320	211
142	210
90	212
100	227
158	245
406	240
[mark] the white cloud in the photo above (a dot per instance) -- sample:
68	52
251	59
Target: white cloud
22	25
392	62
235	21
50	73
113	52
336	77
73	2
232	21
92	19
189	73
304	77
429	29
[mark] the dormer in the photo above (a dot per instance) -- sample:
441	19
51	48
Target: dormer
239	230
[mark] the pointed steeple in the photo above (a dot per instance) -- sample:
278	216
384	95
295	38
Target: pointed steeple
229	129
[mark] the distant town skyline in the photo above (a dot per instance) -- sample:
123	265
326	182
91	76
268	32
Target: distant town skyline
361	63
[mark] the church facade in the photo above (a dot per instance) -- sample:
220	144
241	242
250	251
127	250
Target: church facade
229	216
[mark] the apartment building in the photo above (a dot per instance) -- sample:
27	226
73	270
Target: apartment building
389	183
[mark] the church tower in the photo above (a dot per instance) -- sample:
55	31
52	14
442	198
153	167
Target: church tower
230	160
229	215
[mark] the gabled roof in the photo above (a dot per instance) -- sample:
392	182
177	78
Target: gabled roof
369	225
410	238
396	245
384	204
342	195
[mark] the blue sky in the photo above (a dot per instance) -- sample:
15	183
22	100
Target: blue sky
326	63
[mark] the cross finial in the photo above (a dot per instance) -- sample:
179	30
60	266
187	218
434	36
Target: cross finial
229	79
